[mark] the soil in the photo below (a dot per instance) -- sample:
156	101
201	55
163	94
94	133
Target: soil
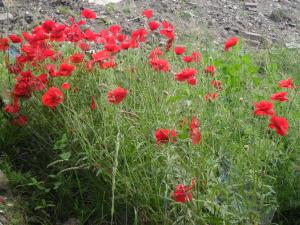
260	22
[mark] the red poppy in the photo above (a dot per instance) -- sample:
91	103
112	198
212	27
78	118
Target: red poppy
90	35
65	70
77	58
148	13
179	50
187	59
195	133
210	69
101	55
52	97
155	53
195	57
186	74
66	86
89	14
286	83
84	46
160	65
183	193
211	96
20	120
15	39
14	107
164	135
117	95
192	81
216	84
280	124
115	29
4	45
93	103
48	26
264	108
230	43
153	25
279	97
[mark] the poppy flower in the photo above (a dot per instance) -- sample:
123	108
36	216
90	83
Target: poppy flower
187	59
160	65
216	84
101	55
153	25
155	53
280	124
183	193
164	136
192	81
14	107
15	39
279	97
93	103
76	58
195	133
4	45
117	95
20	121
179	50
115	29
48	26
210	96
148	13
52	97
195	57
210	69
65	70
186	74
264	108
286	83
89	14
66	86
230	43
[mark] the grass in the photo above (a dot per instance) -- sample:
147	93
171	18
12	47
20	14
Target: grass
104	166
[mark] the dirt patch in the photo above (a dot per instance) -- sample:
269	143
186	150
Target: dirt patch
258	21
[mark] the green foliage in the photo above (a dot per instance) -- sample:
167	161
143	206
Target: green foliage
104	166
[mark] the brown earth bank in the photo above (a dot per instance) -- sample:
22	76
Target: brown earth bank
260	22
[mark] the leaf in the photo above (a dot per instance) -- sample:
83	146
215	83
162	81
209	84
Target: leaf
65	156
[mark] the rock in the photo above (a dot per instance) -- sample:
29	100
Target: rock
252	36
279	15
4	185
28	17
72	221
5	16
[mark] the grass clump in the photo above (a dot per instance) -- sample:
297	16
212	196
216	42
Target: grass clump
97	153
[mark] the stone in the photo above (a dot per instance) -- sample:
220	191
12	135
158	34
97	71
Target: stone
103	2
279	15
4	184
28	17
5	16
252	36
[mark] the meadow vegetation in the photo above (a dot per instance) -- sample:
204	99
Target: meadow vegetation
147	129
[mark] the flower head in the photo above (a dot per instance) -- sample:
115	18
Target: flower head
89	14
230	43
264	108
286	83
52	97
117	95
183	193
280	124
279	97
164	135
